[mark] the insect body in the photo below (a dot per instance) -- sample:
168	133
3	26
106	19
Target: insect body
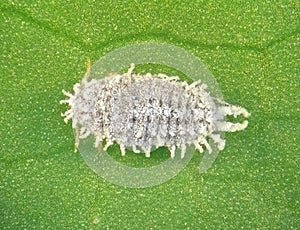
144	112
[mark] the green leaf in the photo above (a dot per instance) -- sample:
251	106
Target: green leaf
251	47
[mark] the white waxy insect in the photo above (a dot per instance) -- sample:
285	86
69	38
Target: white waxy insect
144	112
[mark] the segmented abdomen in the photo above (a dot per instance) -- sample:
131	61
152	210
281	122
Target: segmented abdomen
154	112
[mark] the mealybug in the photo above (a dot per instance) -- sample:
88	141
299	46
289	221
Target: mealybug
144	112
